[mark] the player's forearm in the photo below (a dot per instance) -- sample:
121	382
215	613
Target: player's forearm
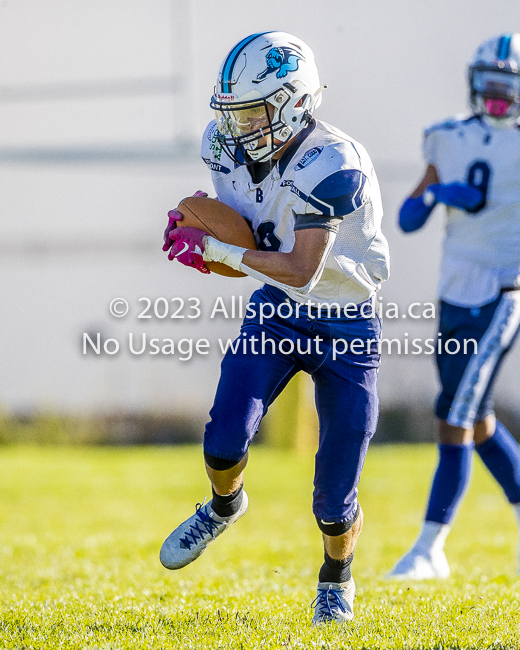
287	268
294	269
414	214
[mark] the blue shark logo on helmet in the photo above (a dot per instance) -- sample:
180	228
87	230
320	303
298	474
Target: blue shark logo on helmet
280	60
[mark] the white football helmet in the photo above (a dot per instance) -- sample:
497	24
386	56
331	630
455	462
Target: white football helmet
267	90
494	80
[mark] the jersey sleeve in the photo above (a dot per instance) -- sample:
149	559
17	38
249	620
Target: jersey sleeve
306	221
212	153
433	137
429	148
338	194
334	188
207	145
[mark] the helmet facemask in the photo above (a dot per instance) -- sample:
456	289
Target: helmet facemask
495	94
253	131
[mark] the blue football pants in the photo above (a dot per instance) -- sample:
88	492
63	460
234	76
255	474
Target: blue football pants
345	393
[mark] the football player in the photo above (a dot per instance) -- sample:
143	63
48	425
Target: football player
312	199
473	168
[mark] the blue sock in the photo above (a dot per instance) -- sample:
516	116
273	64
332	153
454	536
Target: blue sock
450	482
501	455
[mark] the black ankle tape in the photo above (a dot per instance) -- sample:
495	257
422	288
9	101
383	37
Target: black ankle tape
336	570
228	504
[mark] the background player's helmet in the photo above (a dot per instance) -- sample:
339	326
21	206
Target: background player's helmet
267	90
494	80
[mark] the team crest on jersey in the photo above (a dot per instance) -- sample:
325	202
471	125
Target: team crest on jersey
308	158
215	146
280	60
211	132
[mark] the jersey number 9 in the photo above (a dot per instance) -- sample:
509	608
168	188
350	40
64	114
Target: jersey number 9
479	175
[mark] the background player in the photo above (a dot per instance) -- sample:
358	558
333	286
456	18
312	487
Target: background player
312	198
474	170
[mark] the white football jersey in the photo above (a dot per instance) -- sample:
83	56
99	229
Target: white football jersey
481	251
323	172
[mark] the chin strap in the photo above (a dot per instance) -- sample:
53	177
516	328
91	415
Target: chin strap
500	122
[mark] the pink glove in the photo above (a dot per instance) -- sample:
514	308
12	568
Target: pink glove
173	217
187	247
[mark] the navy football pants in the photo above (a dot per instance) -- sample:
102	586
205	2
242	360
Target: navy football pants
467	379
345	390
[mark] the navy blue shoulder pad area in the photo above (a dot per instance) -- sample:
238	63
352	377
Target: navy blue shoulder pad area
472	118
340	193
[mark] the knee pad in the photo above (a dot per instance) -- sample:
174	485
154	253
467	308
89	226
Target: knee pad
219	464
337	528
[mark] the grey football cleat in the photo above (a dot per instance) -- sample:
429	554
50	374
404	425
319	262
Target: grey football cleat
192	537
334	602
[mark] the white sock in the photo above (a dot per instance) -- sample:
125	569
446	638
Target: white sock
432	537
516	508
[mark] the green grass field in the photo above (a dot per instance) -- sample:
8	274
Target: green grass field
81	528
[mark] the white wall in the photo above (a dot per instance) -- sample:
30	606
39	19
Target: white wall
74	236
